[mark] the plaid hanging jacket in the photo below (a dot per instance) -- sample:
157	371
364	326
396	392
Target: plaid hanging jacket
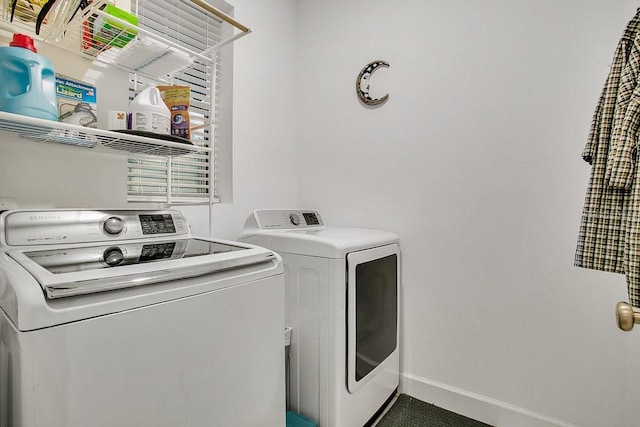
601	238
622	173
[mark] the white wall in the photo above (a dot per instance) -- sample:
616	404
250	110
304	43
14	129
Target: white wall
475	163
264	111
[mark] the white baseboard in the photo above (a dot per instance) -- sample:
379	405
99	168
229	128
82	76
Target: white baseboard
472	405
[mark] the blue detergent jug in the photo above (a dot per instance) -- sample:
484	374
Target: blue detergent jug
27	80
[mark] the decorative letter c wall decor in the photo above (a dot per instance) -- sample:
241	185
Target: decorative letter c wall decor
362	83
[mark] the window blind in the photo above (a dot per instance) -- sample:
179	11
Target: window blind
192	177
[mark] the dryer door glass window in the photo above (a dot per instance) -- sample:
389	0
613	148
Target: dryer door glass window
373	316
376	313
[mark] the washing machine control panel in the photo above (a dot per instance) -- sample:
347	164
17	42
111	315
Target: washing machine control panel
288	219
25	227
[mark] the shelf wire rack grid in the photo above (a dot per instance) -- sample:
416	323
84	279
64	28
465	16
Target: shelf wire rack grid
48	131
122	44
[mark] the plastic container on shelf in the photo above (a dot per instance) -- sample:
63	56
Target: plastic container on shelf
148	112
27	80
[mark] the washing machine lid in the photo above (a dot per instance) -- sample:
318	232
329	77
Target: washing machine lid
70	270
303	232
62	266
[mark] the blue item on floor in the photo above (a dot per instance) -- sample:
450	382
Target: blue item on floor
294	419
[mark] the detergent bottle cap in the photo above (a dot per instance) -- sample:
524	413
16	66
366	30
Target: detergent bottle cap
22	40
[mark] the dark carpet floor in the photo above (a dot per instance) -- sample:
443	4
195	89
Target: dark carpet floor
410	412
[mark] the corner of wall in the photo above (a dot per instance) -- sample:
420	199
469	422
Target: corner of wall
472	405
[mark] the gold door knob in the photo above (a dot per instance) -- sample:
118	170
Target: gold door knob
626	316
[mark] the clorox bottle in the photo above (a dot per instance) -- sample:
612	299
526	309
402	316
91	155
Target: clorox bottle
148	112
27	80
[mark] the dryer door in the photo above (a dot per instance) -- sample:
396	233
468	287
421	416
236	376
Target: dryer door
372	312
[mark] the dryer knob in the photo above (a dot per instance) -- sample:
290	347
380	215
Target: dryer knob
113	225
295	219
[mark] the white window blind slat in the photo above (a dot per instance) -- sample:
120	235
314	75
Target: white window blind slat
191	175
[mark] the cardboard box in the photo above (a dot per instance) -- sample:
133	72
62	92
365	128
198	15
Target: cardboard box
116	120
77	102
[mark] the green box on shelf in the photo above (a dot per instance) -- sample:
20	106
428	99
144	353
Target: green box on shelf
112	33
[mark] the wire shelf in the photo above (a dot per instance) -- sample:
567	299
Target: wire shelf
48	131
121	44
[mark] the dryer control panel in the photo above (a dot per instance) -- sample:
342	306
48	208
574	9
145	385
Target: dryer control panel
26	227
288	219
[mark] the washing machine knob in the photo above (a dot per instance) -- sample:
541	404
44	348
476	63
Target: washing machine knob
295	219
113	256
113	225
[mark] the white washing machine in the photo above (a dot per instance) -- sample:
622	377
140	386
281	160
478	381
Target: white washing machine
341	291
122	318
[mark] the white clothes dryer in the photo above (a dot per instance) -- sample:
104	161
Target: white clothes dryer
122	318
341	299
